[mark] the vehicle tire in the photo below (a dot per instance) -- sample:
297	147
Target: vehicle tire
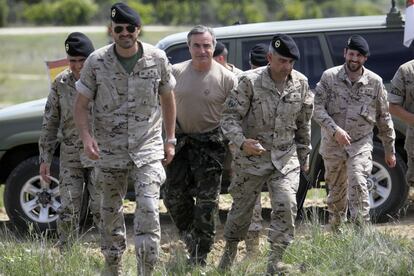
29	201
387	186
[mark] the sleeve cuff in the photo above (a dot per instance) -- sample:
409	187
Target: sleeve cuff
83	89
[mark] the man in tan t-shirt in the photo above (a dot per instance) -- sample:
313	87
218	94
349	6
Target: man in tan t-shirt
194	176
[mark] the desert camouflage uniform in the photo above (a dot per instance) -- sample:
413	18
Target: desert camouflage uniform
356	109
75	168
281	122
402	93
128	127
202	154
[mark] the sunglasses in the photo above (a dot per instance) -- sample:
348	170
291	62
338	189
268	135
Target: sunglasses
130	28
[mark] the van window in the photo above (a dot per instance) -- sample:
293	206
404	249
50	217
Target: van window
386	47
178	53
311	63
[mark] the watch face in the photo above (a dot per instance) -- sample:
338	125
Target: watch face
172	141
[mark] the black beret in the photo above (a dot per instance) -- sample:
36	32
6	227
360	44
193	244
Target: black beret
123	14
78	44
285	46
220	47
258	55
358	43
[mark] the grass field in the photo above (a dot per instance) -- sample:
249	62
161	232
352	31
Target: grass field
23	74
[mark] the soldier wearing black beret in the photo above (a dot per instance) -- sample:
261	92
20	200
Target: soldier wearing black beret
75	168
276	156
129	83
350	100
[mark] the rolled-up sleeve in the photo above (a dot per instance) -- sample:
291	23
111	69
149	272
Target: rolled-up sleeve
168	81
86	85
397	93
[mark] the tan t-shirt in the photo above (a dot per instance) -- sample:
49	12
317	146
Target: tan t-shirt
200	96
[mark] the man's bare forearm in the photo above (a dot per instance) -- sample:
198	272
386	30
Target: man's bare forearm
81	116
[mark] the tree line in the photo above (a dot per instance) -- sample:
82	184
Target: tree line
184	12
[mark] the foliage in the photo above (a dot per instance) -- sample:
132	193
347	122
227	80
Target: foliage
62	12
4	12
145	11
210	12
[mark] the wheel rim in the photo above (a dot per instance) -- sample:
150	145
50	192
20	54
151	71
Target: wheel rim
379	185
40	200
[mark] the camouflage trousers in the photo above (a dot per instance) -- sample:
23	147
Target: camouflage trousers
347	182
191	194
71	188
113	184
245	188
256	223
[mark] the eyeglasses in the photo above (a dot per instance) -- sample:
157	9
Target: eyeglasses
130	28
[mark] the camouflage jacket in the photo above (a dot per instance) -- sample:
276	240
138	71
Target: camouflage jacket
402	93
127	110
59	126
354	108
281	122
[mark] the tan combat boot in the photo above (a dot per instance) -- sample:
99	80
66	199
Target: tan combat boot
229	254
112	270
252	242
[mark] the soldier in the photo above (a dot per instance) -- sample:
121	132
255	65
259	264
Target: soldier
194	176
349	101
220	55
401	98
75	168
130	84
267	116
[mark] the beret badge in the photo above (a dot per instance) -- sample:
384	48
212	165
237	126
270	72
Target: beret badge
277	43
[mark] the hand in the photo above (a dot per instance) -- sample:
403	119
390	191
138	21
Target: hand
305	168
90	146
44	172
342	137
390	160
250	147
169	150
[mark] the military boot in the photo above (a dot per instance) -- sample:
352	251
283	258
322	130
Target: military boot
278	268
229	254
112	270
252	242
145	270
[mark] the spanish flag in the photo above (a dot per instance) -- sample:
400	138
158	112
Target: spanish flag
409	23
54	67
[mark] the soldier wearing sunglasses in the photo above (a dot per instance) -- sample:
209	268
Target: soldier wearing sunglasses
130	84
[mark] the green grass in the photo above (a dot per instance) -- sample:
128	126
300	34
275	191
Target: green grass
26	54
314	252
